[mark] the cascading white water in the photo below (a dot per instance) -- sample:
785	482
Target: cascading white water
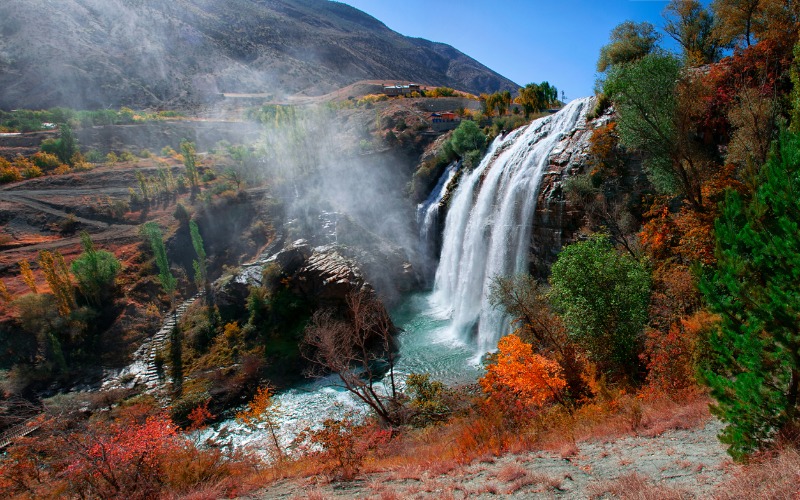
428	216
488	226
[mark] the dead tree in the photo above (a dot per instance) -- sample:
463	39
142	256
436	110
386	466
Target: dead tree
355	349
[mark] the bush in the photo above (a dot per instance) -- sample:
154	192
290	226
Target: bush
603	298
27	168
467	137
62	169
95	271
94	156
45	161
8	172
181	213
428	400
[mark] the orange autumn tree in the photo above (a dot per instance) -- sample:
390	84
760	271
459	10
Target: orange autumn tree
263	409
518	377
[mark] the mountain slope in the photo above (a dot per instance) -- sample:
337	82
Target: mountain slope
96	53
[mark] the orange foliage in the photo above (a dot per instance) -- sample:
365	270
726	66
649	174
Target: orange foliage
603	152
260	409
659	233
520	377
687	235
672	357
27	275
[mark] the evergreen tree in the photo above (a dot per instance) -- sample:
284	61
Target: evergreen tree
67	144
795	97
200	272
754	370
152	232
189	153
96	271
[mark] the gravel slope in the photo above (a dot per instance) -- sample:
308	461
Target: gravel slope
675	464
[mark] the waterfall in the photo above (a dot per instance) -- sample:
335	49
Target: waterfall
428	217
488	225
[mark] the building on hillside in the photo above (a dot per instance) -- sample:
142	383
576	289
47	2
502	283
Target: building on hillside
397	90
446	120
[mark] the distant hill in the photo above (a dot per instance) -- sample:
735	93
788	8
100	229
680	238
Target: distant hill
172	53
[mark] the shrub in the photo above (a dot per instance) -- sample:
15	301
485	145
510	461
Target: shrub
518	379
603	298
428	400
9	173
96	272
94	156
343	444
46	161
27	168
62	169
181	213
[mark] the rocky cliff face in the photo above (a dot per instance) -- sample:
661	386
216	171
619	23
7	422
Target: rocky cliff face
558	220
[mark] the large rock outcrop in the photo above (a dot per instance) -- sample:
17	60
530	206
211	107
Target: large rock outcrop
558	220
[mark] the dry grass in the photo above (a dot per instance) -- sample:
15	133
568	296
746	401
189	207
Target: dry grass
634	487
423	458
776	476
511	472
604	422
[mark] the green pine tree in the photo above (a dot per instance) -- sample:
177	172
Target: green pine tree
152	232
200	270
754	366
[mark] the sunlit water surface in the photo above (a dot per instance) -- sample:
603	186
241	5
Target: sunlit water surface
426	345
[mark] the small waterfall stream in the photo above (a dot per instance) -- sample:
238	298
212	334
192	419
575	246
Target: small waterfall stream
488	226
428	218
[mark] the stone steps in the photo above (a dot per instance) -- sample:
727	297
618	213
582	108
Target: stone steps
17	432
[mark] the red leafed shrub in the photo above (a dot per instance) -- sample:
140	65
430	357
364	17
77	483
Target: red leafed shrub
123	459
672	356
343	445
135	457
763	66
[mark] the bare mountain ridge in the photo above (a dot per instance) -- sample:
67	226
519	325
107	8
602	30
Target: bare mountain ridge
172	53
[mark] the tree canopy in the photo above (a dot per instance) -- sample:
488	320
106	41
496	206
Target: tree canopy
646	96
692	26
629	42
602	296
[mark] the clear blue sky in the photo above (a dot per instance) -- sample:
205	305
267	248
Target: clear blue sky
523	40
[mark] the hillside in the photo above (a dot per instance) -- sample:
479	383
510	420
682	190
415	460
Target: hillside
91	53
